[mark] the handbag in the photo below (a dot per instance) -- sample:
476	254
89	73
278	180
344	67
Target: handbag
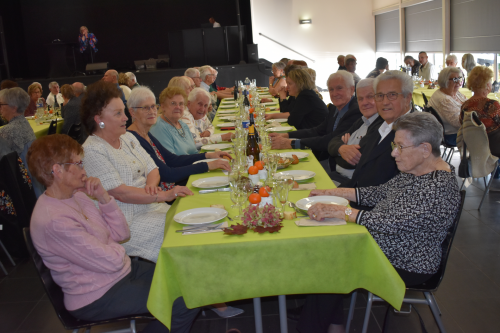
464	169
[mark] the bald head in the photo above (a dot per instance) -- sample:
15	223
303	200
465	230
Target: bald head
111	76
78	88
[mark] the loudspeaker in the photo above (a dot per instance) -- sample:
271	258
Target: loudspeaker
97	66
253	53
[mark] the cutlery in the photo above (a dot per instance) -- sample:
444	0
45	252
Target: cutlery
225	189
297	209
200	228
229	218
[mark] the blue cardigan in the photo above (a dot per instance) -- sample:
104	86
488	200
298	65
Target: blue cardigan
176	167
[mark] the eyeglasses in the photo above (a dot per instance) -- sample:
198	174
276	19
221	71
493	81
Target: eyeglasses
390	96
1	104
457	79
147	109
174	104
400	148
79	164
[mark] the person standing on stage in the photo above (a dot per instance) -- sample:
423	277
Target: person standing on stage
215	23
87	45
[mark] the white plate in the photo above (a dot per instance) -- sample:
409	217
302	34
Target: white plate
273	108
227	102
270	103
228	118
265	96
200	215
299	154
228	99
297	174
282	120
228	106
226	125
305	203
211	182
263	89
216	146
30	117
280	129
208	160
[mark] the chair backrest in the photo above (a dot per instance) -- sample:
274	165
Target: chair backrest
52	127
434	282
431	110
54	292
75	132
425	99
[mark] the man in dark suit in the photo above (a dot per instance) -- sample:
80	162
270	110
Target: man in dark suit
341	115
376	166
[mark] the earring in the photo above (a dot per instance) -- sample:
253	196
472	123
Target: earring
101	125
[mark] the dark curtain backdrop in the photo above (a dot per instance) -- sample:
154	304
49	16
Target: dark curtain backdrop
126	30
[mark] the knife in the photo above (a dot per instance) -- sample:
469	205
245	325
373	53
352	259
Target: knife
225	189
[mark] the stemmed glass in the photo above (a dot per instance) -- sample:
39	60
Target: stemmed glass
288	181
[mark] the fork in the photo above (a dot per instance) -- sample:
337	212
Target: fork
297	210
209	227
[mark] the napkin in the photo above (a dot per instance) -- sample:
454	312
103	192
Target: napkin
302	187
219	229
314	223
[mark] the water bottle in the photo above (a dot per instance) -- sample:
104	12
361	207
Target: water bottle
247	83
408	70
39	107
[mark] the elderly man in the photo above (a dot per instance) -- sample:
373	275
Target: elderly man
381	66
452	61
195	116
78	88
55	98
414	64
393	93
132	80
341	116
112	77
207	78
350	64
341	62
194	74
346	146
427	70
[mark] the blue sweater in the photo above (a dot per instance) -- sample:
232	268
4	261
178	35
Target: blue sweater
176	167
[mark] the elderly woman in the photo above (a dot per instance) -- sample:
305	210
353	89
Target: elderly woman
411	216
123	82
196	118
183	82
97	277
18	131
308	110
35	92
468	62
172	168
277	80
126	170
448	100
172	133
488	110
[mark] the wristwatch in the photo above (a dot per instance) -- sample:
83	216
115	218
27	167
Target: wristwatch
348	212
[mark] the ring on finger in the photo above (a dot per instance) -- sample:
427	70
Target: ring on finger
314	215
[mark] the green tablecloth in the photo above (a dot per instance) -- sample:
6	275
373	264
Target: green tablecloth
213	268
42	130
418	99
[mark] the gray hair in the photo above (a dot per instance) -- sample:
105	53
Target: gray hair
444	75
16	97
312	73
51	84
365	83
139	95
192	72
340	57
453	58
345	75
468	62
403	78
279	65
204	71
423	127
131	76
409	57
193	95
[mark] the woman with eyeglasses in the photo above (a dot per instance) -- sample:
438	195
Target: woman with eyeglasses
447	102
410	218
79	242
173	168
125	169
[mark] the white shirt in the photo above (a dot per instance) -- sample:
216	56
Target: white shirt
428	72
216	25
386	128
126	91
196	127
205	86
50	99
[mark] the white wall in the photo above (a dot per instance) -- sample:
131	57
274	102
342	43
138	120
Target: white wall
379	4
338	27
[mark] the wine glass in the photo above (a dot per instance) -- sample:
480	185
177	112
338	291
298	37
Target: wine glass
288	182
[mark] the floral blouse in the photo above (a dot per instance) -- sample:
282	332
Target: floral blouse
487	109
164	185
196	127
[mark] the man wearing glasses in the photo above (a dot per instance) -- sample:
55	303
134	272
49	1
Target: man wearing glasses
393	94
194	74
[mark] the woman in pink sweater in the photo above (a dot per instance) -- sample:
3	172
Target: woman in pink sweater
79	243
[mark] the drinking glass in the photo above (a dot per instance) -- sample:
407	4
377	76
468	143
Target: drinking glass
288	181
283	189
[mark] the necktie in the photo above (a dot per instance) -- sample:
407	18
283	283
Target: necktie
55	101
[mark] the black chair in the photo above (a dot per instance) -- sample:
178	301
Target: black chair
425	100
56	296
428	287
75	132
52	127
447	154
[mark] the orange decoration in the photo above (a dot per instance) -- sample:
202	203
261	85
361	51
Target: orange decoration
263	192
254	198
253	170
251	110
259	165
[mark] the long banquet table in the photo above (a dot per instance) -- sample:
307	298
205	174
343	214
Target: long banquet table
418	99
214	268
42	130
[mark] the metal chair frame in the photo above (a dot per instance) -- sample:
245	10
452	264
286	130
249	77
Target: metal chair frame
8	256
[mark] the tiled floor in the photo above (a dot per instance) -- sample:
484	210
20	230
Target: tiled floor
469	296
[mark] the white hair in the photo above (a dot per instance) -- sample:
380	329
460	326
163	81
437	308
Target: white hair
130	75
139	95
193	95
403	78
453	58
345	75
192	72
51	84
365	83
204	71
444	76
349	56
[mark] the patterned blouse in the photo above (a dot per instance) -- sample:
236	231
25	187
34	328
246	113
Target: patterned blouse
91	39
164	185
17	133
196	127
448	108
487	109
411	217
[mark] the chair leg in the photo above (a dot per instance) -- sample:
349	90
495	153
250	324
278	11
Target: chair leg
435	310
3	268
437	305
461	187
351	311
367	312
8	254
487	189
132	326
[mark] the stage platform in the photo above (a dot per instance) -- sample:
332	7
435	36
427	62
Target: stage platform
158	79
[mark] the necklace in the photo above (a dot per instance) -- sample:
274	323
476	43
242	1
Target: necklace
180	131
